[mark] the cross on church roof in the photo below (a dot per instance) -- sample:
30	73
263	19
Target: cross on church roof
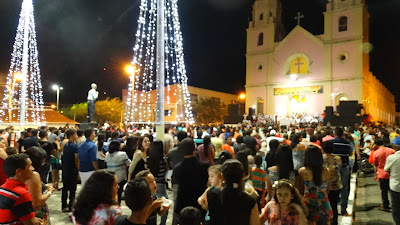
298	17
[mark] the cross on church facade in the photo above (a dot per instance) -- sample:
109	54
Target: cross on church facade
298	17
298	64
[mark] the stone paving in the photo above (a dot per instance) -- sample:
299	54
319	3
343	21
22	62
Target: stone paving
367	202
365	205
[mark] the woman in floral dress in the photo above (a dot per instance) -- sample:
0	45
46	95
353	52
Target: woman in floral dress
96	203
316	179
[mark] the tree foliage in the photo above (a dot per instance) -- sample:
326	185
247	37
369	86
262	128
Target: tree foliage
209	111
109	109
77	112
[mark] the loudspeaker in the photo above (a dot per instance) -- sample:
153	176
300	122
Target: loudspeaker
234	110
252	111
329	111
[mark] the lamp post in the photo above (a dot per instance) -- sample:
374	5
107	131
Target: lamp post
57	88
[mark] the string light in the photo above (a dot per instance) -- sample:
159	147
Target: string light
140	99
34	95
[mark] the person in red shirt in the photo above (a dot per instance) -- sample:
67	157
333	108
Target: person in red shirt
228	146
15	199
380	156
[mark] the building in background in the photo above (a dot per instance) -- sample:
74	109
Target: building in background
303	73
174	109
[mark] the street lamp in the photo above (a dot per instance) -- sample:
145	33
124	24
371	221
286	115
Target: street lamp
57	88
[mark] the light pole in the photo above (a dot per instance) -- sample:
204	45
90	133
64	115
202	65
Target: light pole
57	88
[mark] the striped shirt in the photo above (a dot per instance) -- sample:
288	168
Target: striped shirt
259	177
15	203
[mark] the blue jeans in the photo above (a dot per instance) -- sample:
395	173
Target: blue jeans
344	193
162	192
395	206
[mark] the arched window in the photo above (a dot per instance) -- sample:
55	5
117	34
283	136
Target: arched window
261	16
342	23
260	39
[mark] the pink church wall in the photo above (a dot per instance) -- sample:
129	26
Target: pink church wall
255	76
351	68
299	42
351	23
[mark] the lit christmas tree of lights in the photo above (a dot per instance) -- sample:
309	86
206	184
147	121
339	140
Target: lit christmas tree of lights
140	104
24	88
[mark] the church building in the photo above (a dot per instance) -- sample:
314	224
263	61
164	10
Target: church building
304	73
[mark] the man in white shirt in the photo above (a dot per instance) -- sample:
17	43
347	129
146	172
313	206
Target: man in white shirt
272	134
392	166
91	99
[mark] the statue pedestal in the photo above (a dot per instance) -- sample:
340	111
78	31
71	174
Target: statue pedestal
85	126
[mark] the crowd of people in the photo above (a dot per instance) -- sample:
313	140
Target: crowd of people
253	174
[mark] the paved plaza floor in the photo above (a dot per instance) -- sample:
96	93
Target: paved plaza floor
365	205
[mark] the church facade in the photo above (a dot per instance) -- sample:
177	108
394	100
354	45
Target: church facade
303	73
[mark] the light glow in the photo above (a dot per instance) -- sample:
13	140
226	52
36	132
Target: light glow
25	67
139	100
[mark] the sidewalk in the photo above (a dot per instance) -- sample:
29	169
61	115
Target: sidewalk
367	201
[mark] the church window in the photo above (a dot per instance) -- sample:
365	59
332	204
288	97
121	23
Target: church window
343	23
261	16
343	57
260	39
299	66
259	67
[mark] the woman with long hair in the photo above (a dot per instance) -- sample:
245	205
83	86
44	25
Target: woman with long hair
298	151
158	166
283	168
100	152
316	178
130	146
118	162
40	192
236	206
96	202
139	158
18	144
207	151
271	155
333	163
241	156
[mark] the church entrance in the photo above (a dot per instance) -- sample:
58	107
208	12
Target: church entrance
260	106
298	104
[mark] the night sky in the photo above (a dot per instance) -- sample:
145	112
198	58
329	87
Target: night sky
77	39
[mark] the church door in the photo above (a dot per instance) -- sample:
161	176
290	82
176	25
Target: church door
260	106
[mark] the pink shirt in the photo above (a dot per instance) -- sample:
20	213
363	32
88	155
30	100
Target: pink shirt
380	156
275	216
327	138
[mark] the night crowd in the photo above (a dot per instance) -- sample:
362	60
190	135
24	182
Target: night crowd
219	175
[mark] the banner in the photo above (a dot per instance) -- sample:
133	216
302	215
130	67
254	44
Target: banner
299	90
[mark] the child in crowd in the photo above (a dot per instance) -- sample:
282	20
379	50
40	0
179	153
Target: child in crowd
190	216
286	207
214	179
149	177
259	179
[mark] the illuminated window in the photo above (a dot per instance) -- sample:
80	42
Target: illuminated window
343	99
260	39
342	23
299	66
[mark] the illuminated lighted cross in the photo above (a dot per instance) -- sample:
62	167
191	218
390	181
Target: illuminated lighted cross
298	18
298	64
